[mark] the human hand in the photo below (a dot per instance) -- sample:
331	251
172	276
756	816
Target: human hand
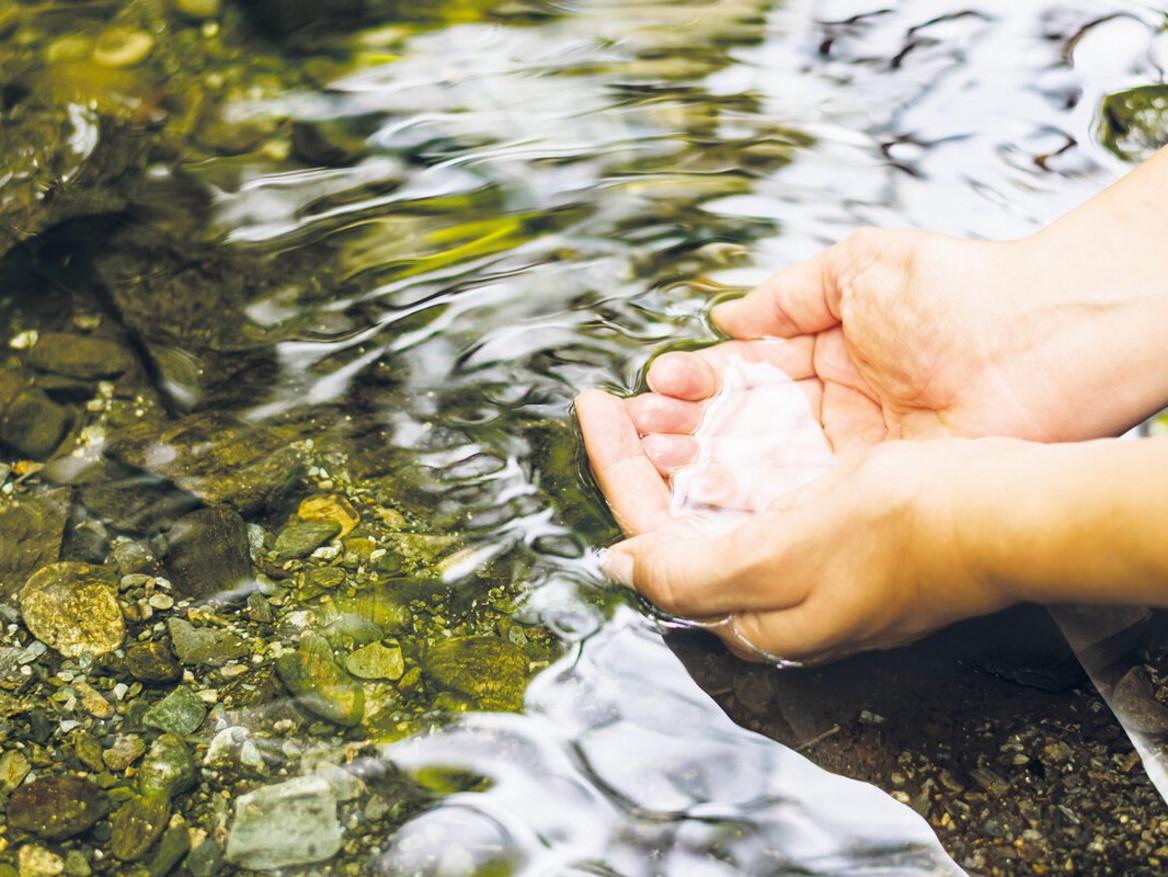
902	334
869	555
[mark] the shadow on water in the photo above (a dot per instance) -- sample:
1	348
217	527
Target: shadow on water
291	353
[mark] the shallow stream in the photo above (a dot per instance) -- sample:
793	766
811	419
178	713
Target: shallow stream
295	301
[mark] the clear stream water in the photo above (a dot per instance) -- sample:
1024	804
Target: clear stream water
539	206
609	173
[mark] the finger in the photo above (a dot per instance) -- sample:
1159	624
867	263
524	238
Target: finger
635	492
799	300
699	374
770	410
670	452
701	576
654	413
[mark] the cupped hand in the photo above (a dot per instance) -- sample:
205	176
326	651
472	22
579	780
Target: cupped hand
868	555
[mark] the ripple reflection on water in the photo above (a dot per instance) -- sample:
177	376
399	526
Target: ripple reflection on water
613	773
530	199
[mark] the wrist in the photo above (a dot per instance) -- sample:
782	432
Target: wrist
1073	522
1095	284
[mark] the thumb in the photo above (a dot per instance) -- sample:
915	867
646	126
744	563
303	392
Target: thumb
800	300
700	576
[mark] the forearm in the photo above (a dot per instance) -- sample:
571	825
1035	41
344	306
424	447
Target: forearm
1097	280
1084	522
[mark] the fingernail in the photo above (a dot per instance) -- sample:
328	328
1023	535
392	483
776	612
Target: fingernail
618	566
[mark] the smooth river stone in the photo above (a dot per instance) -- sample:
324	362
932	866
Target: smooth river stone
31	531
262	837
56	807
208	554
73	608
79	356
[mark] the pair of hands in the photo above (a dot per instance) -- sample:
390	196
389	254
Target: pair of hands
912	351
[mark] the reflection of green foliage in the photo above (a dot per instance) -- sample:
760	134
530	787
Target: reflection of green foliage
449	780
1135	122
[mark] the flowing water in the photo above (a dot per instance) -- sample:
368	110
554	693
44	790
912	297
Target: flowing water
399	243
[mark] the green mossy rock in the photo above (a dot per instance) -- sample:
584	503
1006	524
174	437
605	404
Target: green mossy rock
489	671
204	645
167	769
136	825
180	712
303	538
319	684
1135	122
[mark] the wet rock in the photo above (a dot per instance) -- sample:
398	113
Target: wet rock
134	558
492	672
301	539
87	357
175	844
14	767
36	861
122	46
330	507
73	608
56	807
329	143
1134	701
76	865
88	751
216	458
376	661
259	609
208	553
319	684
129	500
283	17
205	349
31	531
93	701
204	645
32	424
152	662
88	162
200	8
1135	122
180	712
127	749
168	768
205	860
260	839
136	825
234	750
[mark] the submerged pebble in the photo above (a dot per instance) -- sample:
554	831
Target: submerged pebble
260	838
122	46
73	608
180	712
56	807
